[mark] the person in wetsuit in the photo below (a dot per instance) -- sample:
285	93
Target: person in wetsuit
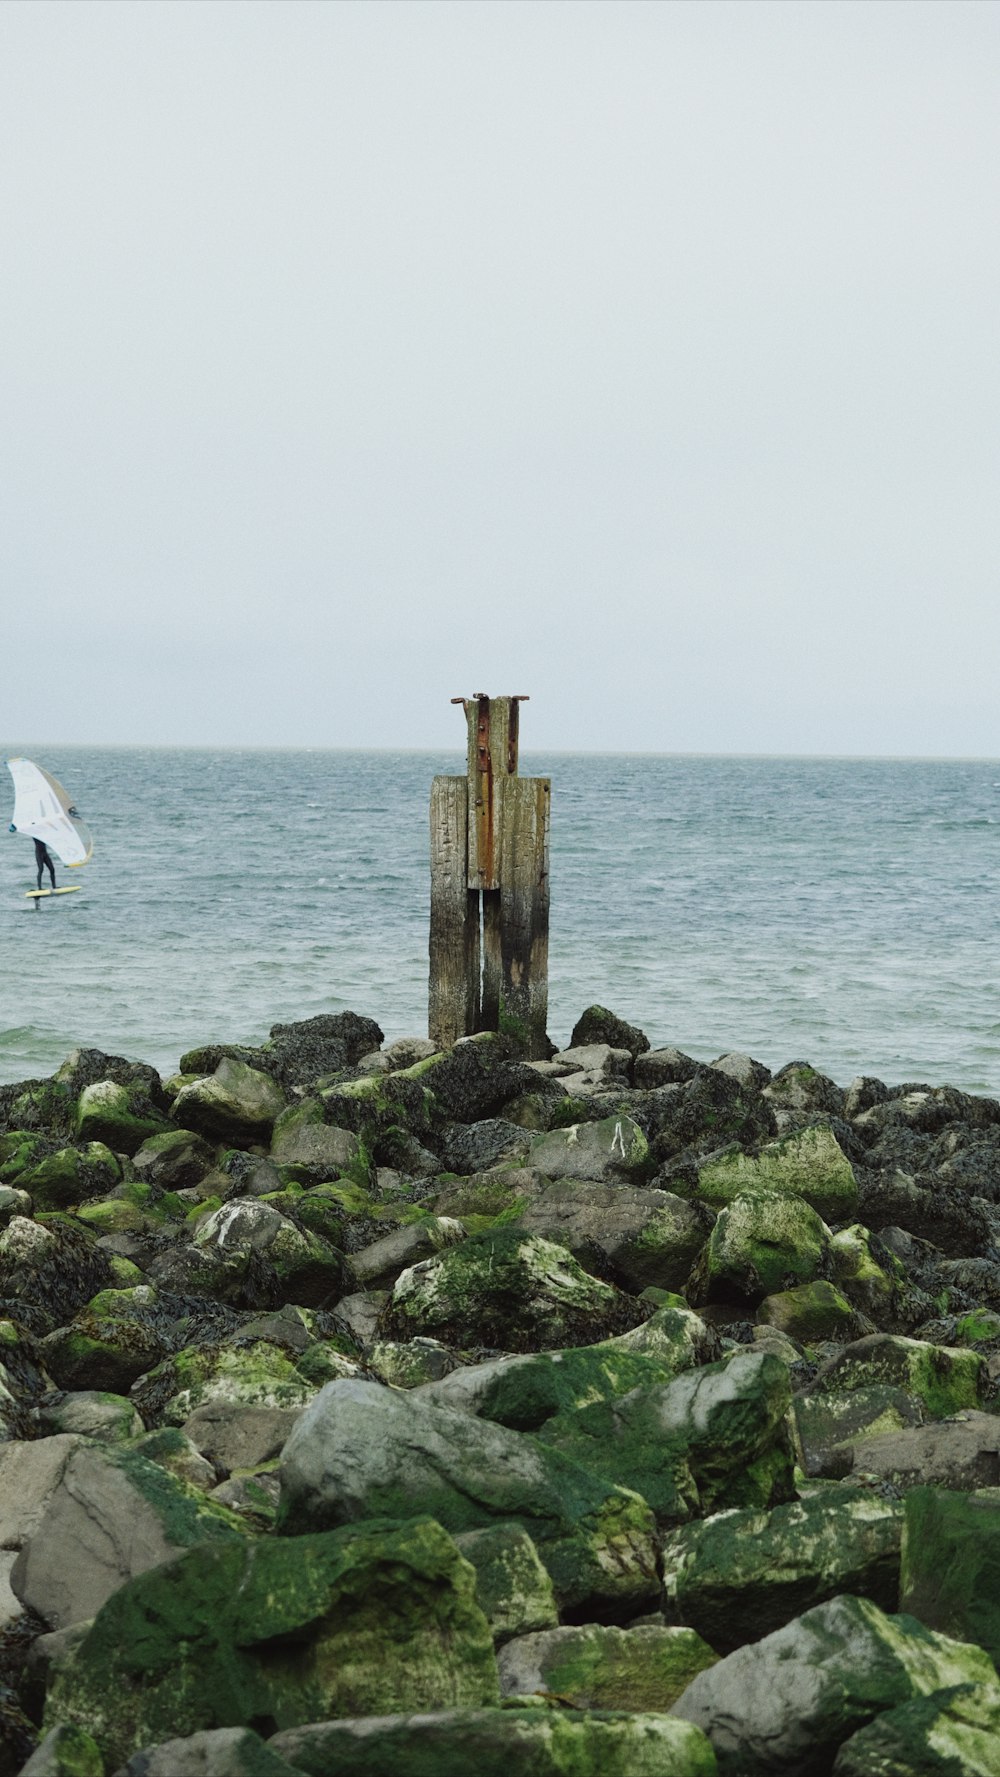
44	861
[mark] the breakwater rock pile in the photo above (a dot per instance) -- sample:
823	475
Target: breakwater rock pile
372	1409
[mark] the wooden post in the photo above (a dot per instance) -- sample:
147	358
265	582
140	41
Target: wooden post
490	888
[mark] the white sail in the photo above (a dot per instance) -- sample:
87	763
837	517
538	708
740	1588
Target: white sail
42	810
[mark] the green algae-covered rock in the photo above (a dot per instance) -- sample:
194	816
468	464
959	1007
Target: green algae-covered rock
65	1752
70	1175
782	1705
371	1621
507	1290
612	1148
952	1733
741	1574
868	1274
216	1752
256	1374
809	1164
106	1417
236	1103
943	1378
523	1392
307	1267
174	1161
512	1586
828	1424
712	1438
595	1666
763	1242
109	1343
119	1115
525	1742
310	1149
360	1450
810	1312
951	1563
645	1238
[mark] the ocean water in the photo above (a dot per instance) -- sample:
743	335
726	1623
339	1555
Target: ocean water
843	912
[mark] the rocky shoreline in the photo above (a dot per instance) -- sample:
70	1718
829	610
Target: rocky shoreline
376	1409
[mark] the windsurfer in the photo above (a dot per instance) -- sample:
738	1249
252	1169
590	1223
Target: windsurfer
44	861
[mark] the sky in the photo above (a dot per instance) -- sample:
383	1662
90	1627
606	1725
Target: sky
640	357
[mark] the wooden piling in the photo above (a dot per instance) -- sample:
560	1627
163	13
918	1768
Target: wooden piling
490	888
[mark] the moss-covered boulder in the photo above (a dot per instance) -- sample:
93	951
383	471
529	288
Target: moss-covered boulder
525	1742
71	1175
783	1703
613	1147
378	1265
512	1585
809	1164
108	1344
310	1149
827	1425
810	1312
523	1392
373	1620
951	1564
361	1450
174	1160
762	1242
952	1733
254	1373
121	1116
510	1291
869	1274
307	1268
943	1378
236	1103
595	1666
712	1438
642	1238
740	1575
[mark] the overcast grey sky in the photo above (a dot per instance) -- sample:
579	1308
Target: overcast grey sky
640	357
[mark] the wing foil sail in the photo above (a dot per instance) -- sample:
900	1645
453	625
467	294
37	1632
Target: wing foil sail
43	810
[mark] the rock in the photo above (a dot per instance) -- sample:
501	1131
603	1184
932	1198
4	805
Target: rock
219	1752
281	1631
256	1374
172	1450
643	1237
475	1079
378	1266
411	1363
951	1564
712	1438
809	1164
407	1051
509	1291
944	1380
475	1147
108	1345
174	1160
512	1587
742	1574
309	1149
85	1518
768	1707
952	1733
70	1176
235	1103
308	1269
664	1067
523	1392
592	1067
863	1092
827	1425
300	1054
869	1274
120	1116
810	1312
798	1087
107	1418
360	1315
604	1151
362	1451
65	1752
595	1666
233	1435
958	1453
704	1114
744	1070
598	1025
762	1242
526	1742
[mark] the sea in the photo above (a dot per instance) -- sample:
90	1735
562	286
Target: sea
842	912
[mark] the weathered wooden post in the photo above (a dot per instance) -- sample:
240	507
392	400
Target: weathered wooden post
489	943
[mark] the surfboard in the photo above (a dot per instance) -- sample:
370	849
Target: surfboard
41	894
